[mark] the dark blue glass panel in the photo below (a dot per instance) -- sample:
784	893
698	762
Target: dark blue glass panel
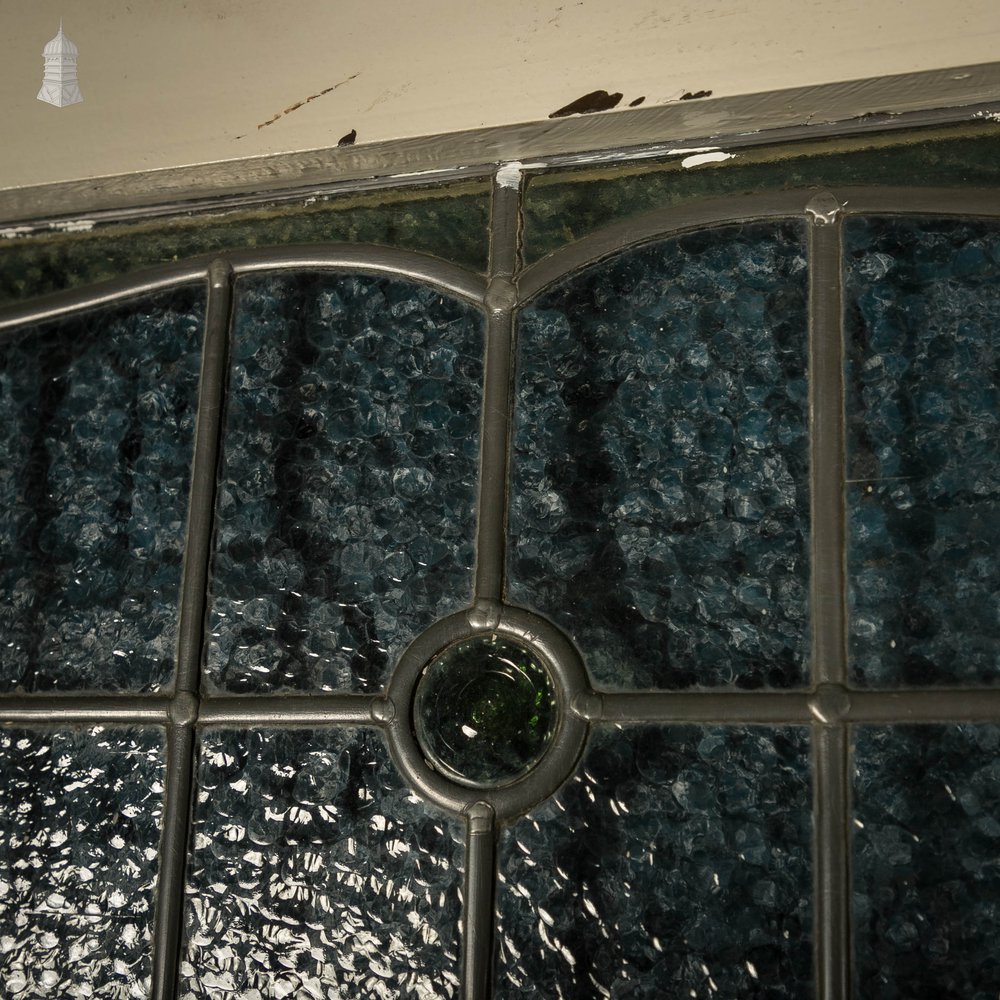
317	873
926	874
923	406
79	839
98	418
660	475
347	503
676	863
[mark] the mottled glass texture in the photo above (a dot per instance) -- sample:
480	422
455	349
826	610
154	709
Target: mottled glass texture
80	816
676	863
659	510
926	874
346	508
923	405
449	221
563	206
98	415
316	873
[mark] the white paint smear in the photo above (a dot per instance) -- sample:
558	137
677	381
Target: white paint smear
509	175
700	158
75	226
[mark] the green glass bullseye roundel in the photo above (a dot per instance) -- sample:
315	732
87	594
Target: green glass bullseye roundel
485	711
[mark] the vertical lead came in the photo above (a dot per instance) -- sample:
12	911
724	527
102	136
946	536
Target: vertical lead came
500	302
168	937
830	703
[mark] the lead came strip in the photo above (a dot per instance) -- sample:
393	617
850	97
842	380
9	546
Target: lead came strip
831	808
184	710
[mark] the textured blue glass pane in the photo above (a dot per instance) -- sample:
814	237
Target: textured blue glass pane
98	419
923	405
79	839
660	495
347	503
676	863
316	873
926	869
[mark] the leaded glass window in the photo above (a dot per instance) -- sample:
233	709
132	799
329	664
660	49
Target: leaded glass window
579	582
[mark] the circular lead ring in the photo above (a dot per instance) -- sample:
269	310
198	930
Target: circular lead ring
557	763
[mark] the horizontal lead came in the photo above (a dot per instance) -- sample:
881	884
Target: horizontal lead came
831	704
762	707
73	709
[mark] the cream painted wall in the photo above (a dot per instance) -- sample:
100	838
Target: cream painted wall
167	83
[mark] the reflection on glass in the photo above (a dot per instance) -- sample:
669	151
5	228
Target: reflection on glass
316	872
485	711
80	819
98	415
347	501
677	860
659	508
926	878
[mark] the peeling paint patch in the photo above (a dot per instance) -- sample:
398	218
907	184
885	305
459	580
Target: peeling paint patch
596	100
428	173
682	150
509	174
74	226
689	96
699	158
993	116
70	226
299	104
637	101
348	140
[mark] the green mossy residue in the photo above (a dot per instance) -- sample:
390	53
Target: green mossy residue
562	208
446	221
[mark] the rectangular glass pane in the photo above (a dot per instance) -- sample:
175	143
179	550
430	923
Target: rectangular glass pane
923	467
316	873
676	863
926	870
80	815
346	508
660	495
98	415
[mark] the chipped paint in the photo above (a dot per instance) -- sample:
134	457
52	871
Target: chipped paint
699	158
508	175
686	150
596	100
302	103
428	173
73	226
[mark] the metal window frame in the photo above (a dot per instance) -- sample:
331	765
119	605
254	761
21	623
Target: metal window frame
830	706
